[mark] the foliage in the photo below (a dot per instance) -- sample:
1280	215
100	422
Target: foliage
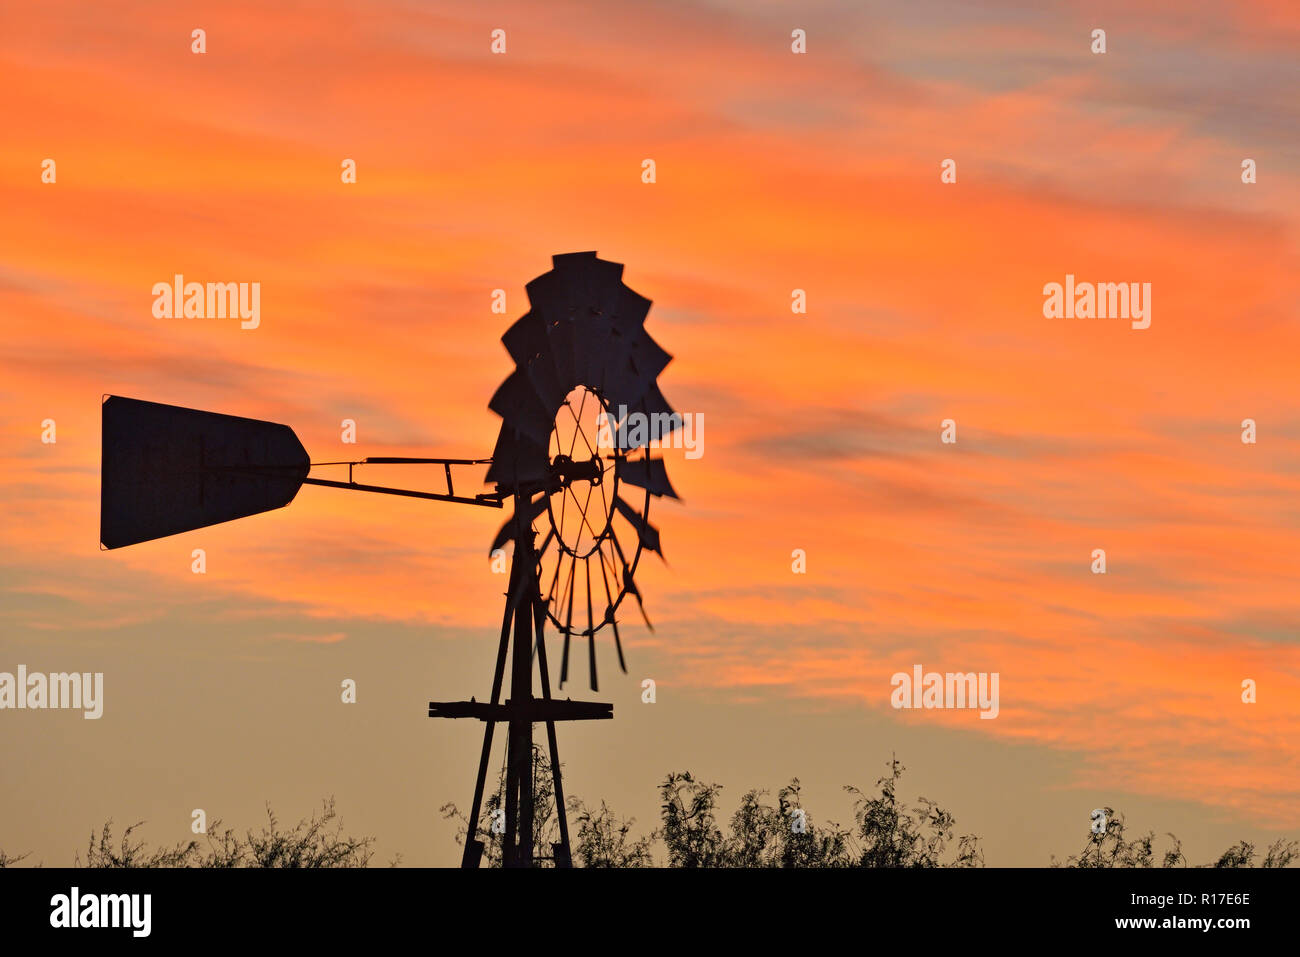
1242	854
1110	849
315	841
546	827
886	832
312	842
604	840
759	834
100	851
890	834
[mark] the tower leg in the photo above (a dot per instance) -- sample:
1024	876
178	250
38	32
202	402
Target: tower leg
519	754
473	846
563	853
519	759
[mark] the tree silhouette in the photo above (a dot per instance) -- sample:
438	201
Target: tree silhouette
1108	848
886	832
601	838
9	861
604	840
312	842
491	826
893	835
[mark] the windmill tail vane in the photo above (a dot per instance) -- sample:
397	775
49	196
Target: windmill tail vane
578	480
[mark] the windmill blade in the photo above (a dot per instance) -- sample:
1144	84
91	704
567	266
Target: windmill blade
167	469
618	644
630	381
648	425
546	384
547	298
649	358
596	321
563	337
629	316
629	585
609	612
647	473
517	460
629	388
662	419
577	301
586	293
564	262
614	373
507	531
648	534
631	588
595	352
624	384
526	338
519	406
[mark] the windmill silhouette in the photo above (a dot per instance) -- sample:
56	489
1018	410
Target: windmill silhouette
585	369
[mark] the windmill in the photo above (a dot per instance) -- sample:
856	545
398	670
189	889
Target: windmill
579	415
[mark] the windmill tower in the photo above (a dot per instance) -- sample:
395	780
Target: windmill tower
579	413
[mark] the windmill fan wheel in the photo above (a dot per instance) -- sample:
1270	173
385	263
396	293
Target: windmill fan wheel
580	413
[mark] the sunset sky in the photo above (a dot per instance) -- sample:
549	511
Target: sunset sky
775	172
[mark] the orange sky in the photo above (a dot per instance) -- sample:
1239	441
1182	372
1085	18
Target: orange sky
775	172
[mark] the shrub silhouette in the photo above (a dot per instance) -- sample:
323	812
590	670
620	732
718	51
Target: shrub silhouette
312	842
885	832
1110	849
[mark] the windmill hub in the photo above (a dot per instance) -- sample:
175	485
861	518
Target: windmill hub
568	471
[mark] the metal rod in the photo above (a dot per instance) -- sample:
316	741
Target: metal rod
403	460
488	499
565	856
591	627
472	853
519	753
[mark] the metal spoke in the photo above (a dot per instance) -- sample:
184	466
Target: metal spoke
580	430
545	542
577	422
609	515
559	561
583	511
564	501
591	627
585	504
613	569
568	628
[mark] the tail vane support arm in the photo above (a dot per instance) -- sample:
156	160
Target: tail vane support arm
488	499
